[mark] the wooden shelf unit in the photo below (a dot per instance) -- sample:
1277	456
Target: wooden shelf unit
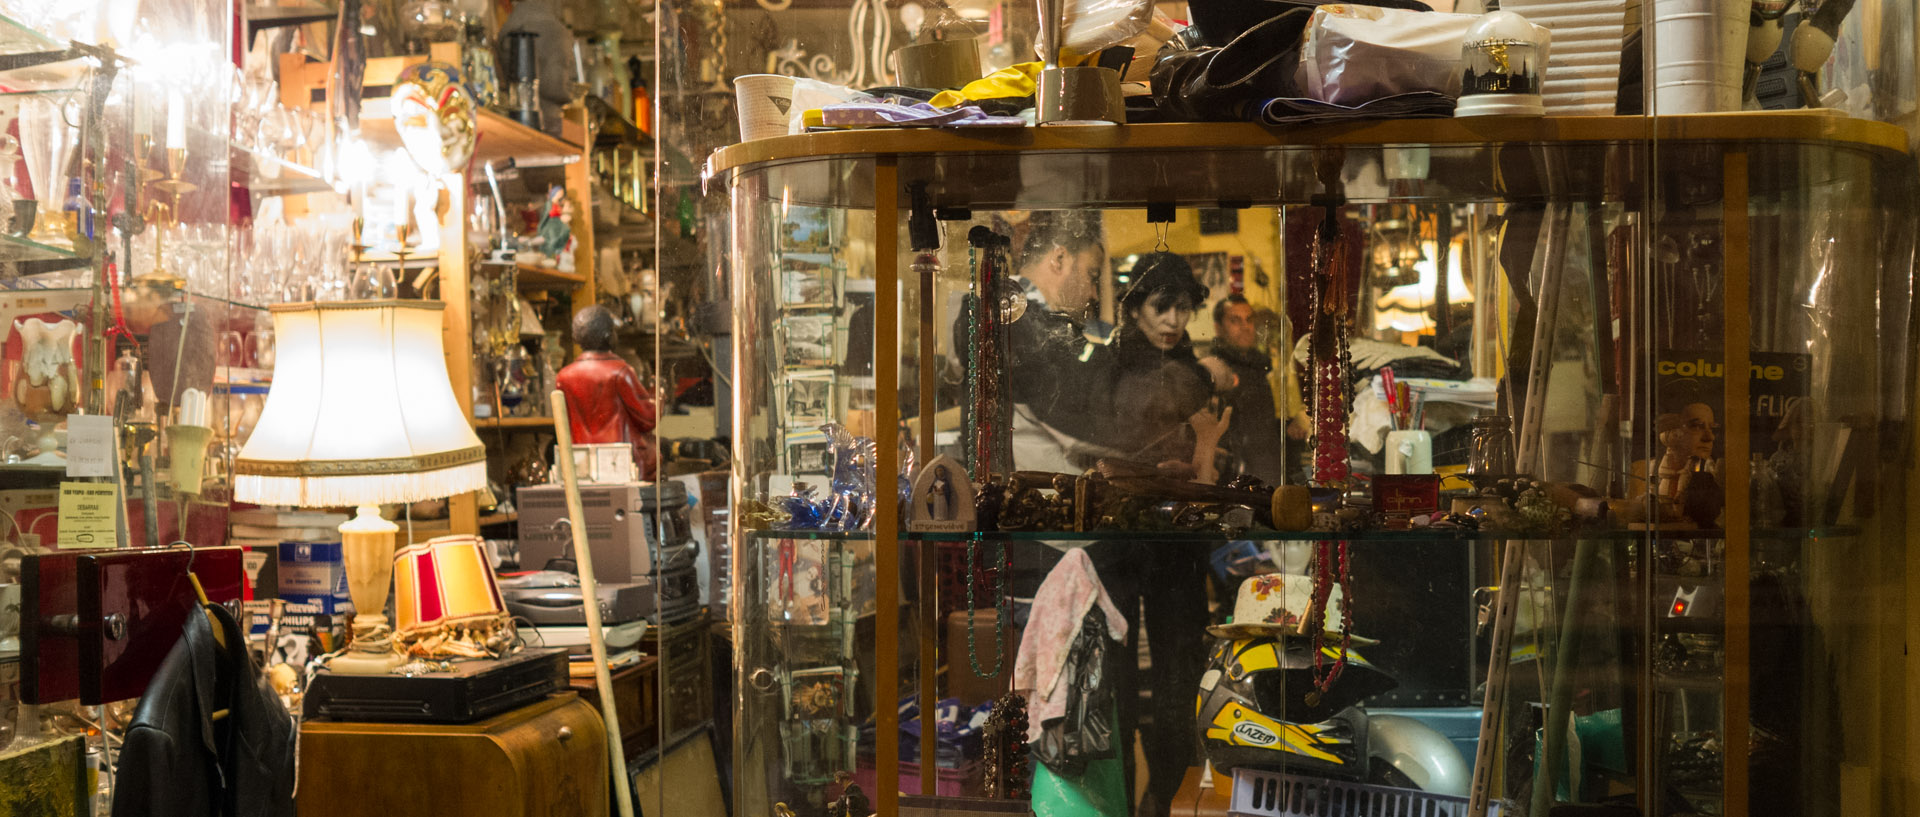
304	83
543	278
513	422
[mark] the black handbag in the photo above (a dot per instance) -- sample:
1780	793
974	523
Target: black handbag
1086	731
1250	76
1218	22
1215	83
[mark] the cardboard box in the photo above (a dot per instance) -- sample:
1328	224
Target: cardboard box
311	573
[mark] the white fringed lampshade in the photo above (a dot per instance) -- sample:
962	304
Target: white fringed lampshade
361	411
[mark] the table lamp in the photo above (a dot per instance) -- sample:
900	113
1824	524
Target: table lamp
360	413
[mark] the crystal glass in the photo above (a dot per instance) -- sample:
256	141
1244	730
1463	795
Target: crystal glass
374	282
262	346
9	157
1491	451
233	350
424	22
48	140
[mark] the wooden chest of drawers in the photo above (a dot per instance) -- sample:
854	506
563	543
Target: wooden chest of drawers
546	759
636	695
685	650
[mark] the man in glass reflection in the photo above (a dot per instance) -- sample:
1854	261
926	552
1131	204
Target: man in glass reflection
1053	361
1255	437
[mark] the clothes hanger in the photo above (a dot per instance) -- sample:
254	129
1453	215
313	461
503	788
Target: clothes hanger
200	593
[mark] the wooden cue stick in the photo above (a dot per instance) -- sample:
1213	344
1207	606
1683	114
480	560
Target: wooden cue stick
590	602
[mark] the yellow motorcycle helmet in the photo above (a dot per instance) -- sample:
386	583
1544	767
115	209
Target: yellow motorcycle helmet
1258	707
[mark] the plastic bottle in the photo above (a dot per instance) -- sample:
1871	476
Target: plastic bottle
78	214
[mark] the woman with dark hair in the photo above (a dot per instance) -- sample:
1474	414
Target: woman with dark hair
1162	392
1159	410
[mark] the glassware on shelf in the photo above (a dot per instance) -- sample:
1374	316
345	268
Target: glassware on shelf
425	22
48	139
1490	450
274	142
373	282
318	138
232	350
480	222
261	346
296	279
333	279
515	372
258	94
9	158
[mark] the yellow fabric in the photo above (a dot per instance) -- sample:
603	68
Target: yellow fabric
1012	81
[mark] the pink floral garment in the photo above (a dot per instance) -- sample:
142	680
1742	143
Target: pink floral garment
1070	590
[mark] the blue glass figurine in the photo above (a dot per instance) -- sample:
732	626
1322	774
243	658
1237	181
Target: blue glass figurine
803	511
852	501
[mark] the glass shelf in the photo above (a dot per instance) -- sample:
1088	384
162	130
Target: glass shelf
29	257
18	38
33	62
1408	536
23	284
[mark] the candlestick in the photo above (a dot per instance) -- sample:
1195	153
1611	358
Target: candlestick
143	119
402	212
176	120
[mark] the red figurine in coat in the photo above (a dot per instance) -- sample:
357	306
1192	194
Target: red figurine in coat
605	401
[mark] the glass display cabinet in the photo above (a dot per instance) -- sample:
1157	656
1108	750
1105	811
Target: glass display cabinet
121	295
1466	465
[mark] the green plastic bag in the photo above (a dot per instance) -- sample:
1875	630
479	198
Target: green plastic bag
1100	791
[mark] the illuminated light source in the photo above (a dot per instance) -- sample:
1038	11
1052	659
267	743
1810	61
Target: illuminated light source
361	413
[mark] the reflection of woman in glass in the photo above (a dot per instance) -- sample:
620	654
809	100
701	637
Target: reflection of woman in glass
1158	411
1161	392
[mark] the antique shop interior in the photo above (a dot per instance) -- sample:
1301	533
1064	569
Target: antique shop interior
920	408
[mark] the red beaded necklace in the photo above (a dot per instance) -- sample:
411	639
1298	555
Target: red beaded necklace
1331	359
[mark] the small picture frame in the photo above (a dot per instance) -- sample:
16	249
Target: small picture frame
809	457
806	340
806	398
807	281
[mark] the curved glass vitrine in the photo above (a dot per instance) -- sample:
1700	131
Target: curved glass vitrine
1479	407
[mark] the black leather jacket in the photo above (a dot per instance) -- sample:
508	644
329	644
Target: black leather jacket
1256	435
179	762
